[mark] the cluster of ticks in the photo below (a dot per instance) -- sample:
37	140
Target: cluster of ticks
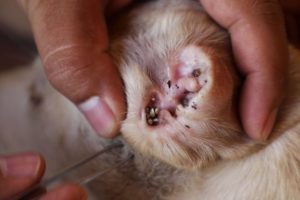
152	111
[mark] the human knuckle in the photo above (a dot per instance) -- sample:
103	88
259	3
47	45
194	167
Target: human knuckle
64	70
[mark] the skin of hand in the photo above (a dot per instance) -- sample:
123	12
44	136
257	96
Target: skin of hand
257	32
71	36
19	172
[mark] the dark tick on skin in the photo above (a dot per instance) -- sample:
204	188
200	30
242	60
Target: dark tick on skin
185	102
196	73
194	106
169	83
187	126
152	116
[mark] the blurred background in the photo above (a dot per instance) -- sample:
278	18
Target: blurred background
16	42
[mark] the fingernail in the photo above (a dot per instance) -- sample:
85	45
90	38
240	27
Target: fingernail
100	116
268	126
21	166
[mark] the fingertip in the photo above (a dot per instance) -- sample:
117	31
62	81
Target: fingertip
18	172
69	191
259	106
100	116
261	132
268	125
23	165
96	90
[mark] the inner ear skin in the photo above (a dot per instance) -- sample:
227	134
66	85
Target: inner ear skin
186	124
225	140
198	69
229	141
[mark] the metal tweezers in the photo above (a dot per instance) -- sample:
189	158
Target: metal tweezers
37	190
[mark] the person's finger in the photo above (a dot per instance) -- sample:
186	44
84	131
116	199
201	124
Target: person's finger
72	40
260	49
18	172
66	192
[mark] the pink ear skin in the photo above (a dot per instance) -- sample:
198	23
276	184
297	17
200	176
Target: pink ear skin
190	72
190	120
197	80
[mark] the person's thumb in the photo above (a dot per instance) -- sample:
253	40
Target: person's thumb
18	172
72	40
70	191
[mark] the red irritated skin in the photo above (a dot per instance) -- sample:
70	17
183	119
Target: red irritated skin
180	90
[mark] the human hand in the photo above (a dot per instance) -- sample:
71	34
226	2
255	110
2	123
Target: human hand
19	172
257	32
72	40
